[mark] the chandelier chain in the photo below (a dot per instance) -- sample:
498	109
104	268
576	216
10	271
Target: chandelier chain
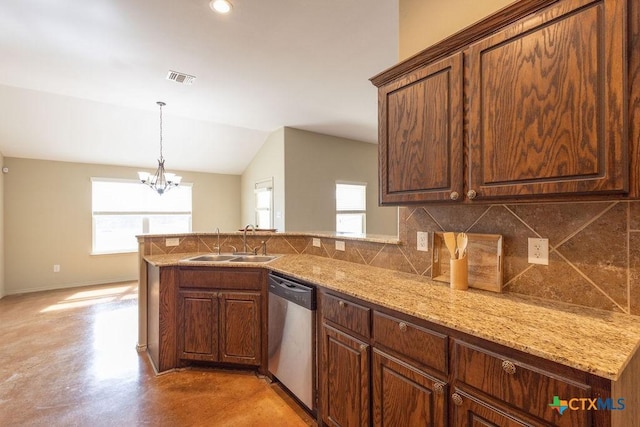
161	104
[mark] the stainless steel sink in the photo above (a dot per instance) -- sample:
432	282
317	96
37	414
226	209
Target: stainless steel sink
253	258
230	258
210	258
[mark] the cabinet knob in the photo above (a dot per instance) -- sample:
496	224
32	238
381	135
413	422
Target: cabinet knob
363	347
471	194
402	326
457	399
438	388
454	195
508	367
341	303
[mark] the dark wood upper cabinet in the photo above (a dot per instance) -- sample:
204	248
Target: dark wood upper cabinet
535	102
547	104
420	144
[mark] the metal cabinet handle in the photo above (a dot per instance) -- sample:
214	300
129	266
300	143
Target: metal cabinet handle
454	195
457	399
402	326
471	194
341	303
509	367
438	388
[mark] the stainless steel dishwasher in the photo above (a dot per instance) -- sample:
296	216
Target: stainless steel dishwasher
292	330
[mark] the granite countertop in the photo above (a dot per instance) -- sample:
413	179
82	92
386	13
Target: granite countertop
378	238
596	341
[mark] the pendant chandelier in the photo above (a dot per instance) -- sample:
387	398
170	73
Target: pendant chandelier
161	181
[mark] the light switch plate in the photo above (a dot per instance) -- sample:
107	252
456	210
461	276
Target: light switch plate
339	245
174	241
316	242
423	241
538	251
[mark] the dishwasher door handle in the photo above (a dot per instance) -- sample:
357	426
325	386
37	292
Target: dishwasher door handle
291	291
288	287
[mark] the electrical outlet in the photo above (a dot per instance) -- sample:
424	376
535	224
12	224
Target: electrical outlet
56	268
339	245
423	241
316	242
174	241
538	251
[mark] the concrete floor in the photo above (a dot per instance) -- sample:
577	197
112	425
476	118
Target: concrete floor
68	358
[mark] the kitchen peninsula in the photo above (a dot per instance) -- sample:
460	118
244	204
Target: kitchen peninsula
501	355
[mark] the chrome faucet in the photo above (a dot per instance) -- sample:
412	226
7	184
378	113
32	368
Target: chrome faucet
244	237
218	233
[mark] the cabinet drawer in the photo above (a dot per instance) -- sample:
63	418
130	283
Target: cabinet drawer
414	342
220	278
345	313
514	383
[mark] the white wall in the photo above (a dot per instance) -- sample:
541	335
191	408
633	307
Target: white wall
2	287
313	164
268	163
47	221
424	23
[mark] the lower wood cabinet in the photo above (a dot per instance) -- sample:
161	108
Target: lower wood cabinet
522	387
345	387
240	338
469	411
406	396
383	368
198	325
219	326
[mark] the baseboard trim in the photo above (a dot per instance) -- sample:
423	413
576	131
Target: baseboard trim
70	285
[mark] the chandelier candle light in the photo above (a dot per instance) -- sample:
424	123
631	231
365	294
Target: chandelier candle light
161	181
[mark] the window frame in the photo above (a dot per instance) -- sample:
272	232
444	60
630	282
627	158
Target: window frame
262	186
145	214
362	212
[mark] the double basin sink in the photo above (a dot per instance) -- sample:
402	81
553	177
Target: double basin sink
230	258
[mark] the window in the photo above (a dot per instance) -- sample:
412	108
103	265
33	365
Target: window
351	208
123	209
264	203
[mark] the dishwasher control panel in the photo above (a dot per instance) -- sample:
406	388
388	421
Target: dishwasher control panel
293	291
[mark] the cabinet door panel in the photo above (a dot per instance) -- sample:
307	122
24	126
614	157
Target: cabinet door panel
345	364
198	325
240	327
471	412
420	141
514	384
404	396
547	111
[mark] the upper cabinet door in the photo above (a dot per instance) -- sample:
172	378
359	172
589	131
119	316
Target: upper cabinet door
547	104
420	134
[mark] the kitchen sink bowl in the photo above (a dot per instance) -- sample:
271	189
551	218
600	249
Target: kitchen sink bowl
253	258
210	258
230	258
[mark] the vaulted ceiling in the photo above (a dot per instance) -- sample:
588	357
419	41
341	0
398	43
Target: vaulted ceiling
79	79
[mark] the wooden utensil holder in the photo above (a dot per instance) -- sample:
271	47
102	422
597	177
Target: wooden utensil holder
459	271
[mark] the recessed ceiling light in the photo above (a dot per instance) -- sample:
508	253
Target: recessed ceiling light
220	6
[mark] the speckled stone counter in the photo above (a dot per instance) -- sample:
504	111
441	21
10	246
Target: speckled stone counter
599	342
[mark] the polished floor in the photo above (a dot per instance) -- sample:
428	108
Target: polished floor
68	358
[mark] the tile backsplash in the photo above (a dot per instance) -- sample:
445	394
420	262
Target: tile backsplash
594	247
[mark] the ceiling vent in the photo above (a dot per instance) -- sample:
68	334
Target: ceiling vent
181	78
